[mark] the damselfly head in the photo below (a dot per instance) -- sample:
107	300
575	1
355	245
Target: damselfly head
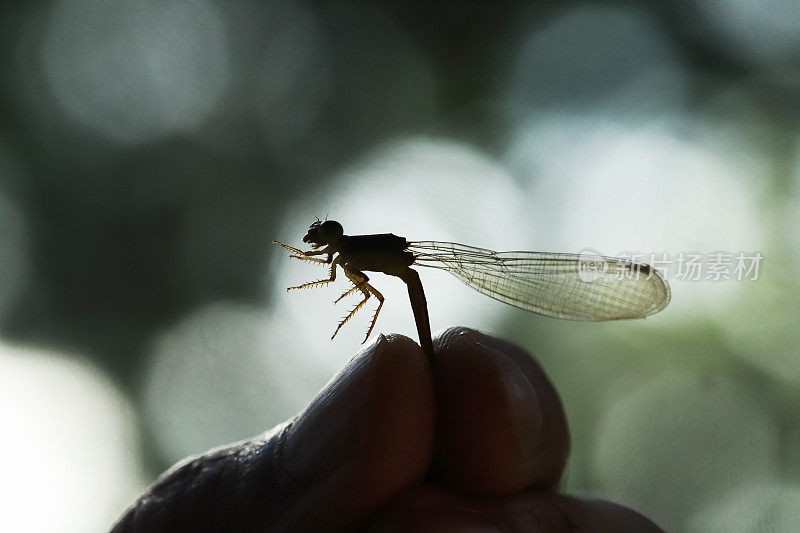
323	232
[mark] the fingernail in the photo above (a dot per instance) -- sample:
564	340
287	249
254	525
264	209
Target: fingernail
327	431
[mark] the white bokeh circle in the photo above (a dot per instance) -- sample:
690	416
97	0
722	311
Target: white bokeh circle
136	70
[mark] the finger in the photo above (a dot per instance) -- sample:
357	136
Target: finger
500	424
433	509
366	436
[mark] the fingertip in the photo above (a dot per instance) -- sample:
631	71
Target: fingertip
500	426
446	338
367	435
397	425
389	376
402	344
400	410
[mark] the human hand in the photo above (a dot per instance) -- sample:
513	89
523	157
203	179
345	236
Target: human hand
477	442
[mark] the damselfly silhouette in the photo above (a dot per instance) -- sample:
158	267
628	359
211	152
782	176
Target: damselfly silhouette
571	286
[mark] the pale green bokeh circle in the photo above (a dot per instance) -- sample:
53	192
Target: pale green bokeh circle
674	444
757	508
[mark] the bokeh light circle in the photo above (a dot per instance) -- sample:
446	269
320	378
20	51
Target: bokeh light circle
598	56
221	374
419	188
136	70
672	445
70	458
757	507
655	188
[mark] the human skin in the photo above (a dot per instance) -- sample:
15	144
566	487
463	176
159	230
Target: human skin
476	442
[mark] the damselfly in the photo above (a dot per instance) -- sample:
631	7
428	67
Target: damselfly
571	286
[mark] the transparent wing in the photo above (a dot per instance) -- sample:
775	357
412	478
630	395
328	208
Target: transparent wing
571	286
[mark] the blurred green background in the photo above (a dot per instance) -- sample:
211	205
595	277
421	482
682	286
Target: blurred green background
151	150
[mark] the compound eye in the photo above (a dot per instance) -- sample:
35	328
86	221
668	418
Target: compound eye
330	230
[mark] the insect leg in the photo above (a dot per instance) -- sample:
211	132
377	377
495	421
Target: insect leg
292	248
322	281
360	279
305	255
315	259
355	287
379	296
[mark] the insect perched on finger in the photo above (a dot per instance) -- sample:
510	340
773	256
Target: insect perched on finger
551	284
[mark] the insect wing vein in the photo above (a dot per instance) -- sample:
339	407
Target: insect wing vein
552	284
